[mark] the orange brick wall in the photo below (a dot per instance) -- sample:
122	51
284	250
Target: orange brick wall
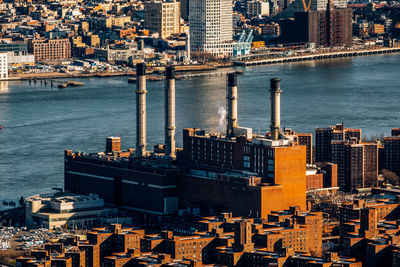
290	172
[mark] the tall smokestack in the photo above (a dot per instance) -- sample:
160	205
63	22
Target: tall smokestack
188	47
141	109
231	99
170	111
275	107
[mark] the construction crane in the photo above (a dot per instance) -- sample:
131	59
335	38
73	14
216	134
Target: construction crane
242	36
243	45
306	6
250	37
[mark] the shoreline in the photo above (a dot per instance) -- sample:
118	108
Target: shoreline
185	70
192	71
320	56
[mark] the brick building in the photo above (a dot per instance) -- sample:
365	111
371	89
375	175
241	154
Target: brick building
261	156
301	231
325	136
322	176
357	164
45	49
371	238
329	28
288	238
247	174
391	152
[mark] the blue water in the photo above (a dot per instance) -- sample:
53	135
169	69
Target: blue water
39	122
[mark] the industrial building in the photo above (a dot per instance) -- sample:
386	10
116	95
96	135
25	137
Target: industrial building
241	172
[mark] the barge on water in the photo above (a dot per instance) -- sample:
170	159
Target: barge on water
70	84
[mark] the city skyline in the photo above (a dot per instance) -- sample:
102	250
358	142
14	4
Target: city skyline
199	133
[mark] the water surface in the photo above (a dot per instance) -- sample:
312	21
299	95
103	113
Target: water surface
39	122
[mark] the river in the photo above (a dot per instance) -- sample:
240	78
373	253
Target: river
40	121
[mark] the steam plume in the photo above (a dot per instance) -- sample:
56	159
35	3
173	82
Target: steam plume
222	117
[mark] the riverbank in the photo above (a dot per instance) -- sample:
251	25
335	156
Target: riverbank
328	55
61	75
202	70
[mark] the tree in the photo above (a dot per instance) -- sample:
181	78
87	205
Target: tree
390	177
371	180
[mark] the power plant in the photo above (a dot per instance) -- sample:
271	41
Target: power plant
238	171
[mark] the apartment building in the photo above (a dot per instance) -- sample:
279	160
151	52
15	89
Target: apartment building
45	49
211	27
162	17
324	137
257	8
357	164
392	152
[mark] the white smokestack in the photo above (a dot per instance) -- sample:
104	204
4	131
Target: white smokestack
170	111
275	92
141	109
231	100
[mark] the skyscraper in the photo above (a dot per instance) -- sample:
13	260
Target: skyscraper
211	27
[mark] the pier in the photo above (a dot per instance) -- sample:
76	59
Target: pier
317	56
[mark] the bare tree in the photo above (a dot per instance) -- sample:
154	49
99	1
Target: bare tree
371	180
390	177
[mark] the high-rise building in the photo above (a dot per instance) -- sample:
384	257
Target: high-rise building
324	137
162	17
211	27
392	154
332	27
357	164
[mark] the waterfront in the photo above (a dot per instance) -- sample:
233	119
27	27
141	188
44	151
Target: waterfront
39	122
